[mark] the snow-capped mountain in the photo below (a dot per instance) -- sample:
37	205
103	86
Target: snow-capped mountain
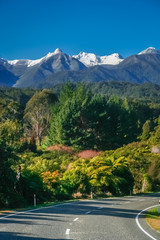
52	63
90	59
150	50
30	63
58	67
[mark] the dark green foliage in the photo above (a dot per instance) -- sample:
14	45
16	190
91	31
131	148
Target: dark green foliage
31	183
63	191
10	132
7	175
68	124
10	110
21	96
93	122
147	92
154	173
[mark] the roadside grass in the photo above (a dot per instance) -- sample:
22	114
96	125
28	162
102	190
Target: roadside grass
153	218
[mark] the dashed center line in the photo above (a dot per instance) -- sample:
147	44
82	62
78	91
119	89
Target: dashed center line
75	219
67	231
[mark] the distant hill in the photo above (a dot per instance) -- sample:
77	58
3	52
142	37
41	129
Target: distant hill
20	96
146	92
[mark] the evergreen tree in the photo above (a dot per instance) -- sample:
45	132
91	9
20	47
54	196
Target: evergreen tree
68	122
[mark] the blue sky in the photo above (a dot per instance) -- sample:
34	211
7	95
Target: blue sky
32	28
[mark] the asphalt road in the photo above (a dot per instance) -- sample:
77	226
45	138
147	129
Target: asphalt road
112	219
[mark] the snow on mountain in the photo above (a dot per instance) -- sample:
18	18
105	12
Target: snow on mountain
30	63
150	50
43	59
25	62
112	59
59	67
51	64
90	59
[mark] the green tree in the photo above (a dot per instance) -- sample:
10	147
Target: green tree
10	132
7	175
146	130
10	110
68	122
37	113
77	177
110	174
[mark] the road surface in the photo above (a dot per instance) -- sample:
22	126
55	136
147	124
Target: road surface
112	219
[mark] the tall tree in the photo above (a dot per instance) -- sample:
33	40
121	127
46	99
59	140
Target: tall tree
7	176
68	124
37	114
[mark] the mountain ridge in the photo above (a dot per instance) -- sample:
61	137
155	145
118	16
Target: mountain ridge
58	67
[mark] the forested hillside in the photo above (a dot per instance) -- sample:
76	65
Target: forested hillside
74	139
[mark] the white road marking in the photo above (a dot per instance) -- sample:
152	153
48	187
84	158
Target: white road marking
137	221
141	200
88	212
67	231
75	219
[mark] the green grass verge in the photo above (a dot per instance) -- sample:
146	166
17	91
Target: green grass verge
153	218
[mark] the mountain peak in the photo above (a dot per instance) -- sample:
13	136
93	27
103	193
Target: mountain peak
150	50
57	51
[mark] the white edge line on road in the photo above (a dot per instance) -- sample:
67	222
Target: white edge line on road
137	221
75	219
32	210
67	231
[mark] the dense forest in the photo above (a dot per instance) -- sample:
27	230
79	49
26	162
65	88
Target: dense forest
66	142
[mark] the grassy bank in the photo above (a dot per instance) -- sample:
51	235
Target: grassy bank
153	218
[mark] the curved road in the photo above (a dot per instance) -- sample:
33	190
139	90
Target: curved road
112	219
